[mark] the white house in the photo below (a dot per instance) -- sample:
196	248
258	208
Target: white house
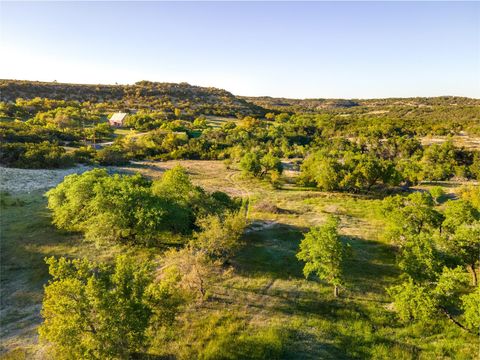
117	119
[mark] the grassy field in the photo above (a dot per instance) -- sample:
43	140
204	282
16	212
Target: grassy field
218	121
123	131
260	305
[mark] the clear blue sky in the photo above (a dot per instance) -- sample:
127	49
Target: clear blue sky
290	49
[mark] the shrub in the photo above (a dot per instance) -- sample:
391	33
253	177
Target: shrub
437	193
34	156
111	156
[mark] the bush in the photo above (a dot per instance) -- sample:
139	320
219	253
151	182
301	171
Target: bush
34	156
111	156
84	155
250	164
437	193
219	237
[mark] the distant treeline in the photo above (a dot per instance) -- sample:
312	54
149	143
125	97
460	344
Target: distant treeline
317	105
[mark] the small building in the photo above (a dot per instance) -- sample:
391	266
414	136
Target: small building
117	119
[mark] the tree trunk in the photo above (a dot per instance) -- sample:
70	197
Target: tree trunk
452	319
201	288
335	290
474	274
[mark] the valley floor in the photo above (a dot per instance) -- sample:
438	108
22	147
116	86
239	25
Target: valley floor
261	300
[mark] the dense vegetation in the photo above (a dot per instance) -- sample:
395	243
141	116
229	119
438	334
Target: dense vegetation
131	209
434	250
349	148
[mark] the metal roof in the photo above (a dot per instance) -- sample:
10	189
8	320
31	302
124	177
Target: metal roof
119	116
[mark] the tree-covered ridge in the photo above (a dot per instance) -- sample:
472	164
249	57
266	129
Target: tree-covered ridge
317	105
141	95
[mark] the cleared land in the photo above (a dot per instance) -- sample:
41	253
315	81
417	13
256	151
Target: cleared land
468	142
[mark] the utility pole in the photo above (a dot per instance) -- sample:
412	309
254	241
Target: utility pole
84	133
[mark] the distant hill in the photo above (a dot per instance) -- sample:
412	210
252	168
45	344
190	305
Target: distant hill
143	94
196	100
314	105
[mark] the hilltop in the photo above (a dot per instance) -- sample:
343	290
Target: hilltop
141	95
196	100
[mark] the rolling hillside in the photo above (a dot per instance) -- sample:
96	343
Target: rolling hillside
143	94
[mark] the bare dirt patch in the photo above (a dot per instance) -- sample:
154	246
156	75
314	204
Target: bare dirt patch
14	180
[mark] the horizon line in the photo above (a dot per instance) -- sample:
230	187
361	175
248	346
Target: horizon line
251	96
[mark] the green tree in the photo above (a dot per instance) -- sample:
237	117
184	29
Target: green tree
112	155
471	308
457	213
270	163
176	185
471	194
413	302
439	161
475	166
322	171
93	311
465	246
250	164
110	208
200	122
323	253
219	236
409	215
424	301
69	200
129	209
419	258
124	209
366	170
437	193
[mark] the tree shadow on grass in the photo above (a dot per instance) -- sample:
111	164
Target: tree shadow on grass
371	266
271	250
143	356
303	345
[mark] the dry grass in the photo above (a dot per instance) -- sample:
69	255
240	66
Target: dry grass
466	141
26	180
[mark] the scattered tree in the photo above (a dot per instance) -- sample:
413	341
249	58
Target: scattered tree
219	236
323	253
